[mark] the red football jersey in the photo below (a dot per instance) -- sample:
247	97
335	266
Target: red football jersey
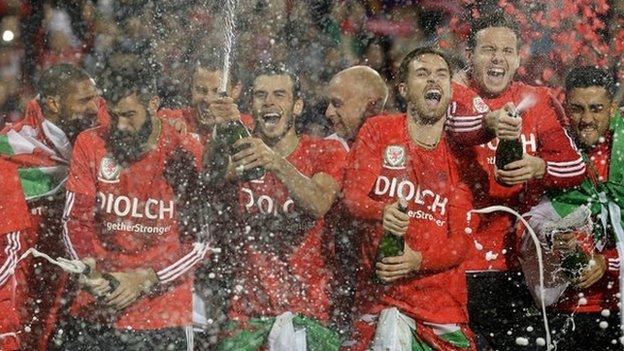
14	228
384	162
286	263
542	136
126	218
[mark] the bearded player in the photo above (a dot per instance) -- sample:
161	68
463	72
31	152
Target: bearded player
408	155
128	183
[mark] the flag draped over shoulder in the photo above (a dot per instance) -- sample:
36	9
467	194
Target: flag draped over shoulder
40	150
604	199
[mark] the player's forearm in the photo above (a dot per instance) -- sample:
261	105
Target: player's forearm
305	192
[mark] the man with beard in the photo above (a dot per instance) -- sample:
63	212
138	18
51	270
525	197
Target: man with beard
283	274
482	114
128	184
207	103
354	94
589	296
407	157
40	146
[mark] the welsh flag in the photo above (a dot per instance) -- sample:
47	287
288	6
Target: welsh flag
40	150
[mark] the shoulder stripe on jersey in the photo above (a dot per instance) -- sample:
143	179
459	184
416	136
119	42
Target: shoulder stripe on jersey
566	163
175	270
465	130
69	204
12	249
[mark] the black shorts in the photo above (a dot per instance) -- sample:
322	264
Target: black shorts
583	331
78	335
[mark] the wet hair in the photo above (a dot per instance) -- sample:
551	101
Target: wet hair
403	71
279	69
211	59
121	84
58	80
590	76
497	19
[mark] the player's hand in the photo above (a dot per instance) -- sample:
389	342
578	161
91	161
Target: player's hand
518	172
224	109
592	273
131	284
179	125
94	283
394	220
503	124
565	243
254	153
391	269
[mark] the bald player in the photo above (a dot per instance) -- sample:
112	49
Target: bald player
355	94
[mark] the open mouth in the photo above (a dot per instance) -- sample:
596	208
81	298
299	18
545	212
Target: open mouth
271	119
205	115
433	97
496	74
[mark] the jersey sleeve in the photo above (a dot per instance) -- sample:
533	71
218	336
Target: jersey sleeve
564	164
464	125
332	160
79	217
363	167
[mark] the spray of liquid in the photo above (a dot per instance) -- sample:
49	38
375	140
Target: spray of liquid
229	17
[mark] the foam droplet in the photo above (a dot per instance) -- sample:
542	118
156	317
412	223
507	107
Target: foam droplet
468	230
605	313
540	342
603	325
522	341
529	329
582	301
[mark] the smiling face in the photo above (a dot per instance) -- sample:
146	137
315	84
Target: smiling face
590	110
205	90
494	59
347	108
274	106
428	87
79	109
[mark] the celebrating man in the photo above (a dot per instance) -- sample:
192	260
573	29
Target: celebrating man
483	113
408	156
283	272
129	184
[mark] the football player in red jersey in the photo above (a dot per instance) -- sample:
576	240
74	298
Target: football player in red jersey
123	210
207	103
14	229
479	118
40	146
354	94
408	155
283	271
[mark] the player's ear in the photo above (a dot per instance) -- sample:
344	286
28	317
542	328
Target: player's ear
153	104
298	108
236	91
52	104
402	90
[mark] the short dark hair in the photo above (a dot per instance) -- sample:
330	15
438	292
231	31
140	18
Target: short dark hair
59	79
403	71
590	76
211	59
121	84
279	69
497	19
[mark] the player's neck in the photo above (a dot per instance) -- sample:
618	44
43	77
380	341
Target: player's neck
426	135
287	144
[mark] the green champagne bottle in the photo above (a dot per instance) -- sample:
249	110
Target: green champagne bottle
508	151
227	134
391	244
573	263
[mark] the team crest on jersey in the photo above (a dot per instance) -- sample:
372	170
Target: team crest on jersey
395	156
109	170
480	105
